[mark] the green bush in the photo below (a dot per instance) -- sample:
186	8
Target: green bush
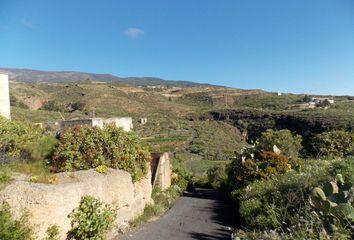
17	139
335	144
91	220
14	229
85	147
76	106
51	106
289	144
182	178
263	165
52	233
217	176
102	169
280	205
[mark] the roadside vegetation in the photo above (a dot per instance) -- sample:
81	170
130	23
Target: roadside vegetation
281	196
164	199
84	147
34	154
216	137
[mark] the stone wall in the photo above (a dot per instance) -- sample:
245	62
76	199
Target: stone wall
4	96
50	204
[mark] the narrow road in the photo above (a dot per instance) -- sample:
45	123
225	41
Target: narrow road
201	215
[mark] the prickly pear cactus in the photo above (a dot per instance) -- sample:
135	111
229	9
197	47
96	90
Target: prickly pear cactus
333	201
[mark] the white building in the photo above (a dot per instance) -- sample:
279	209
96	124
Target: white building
4	96
124	122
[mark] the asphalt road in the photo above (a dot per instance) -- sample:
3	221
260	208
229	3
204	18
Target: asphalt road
201	215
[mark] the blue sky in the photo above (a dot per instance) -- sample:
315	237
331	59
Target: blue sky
302	46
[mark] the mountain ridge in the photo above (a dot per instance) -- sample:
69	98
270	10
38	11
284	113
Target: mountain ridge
37	76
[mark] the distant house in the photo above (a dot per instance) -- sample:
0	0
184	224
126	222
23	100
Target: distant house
124	122
279	93
143	121
318	101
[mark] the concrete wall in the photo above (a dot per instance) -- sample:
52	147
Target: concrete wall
50	204
161	170
4	96
124	122
72	123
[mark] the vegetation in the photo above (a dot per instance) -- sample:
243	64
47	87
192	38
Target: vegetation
85	147
333	203
275	192
333	144
217	176
52	233
289	144
280	205
24	141
91	220
163	200
102	169
24	148
269	101
304	122
263	165
215	140
280	200
14	229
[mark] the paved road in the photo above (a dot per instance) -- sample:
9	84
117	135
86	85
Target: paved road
201	215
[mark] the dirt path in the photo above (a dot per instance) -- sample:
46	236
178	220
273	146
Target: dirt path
201	215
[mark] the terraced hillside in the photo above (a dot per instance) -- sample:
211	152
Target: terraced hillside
193	123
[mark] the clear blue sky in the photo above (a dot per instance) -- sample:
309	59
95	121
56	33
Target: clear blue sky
279	45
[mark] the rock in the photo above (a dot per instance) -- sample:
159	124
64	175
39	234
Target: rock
51	204
276	150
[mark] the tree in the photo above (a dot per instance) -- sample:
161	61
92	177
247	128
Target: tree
335	143
289	144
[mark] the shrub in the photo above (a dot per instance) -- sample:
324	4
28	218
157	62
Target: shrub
52	233
76	106
14	229
335	144
51	106
17	138
280	204
217	176
264	165
181	178
91	220
271	163
102	169
85	147
289	144
34	179
5	177
53	179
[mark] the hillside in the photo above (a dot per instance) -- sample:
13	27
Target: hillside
36	76
194	123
